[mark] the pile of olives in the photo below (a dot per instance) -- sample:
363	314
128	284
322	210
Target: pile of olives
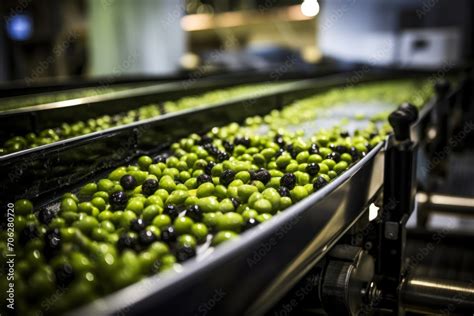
152	216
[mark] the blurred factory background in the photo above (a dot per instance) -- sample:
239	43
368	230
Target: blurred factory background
63	38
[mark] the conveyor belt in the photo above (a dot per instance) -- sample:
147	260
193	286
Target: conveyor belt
323	221
285	247
293	240
52	167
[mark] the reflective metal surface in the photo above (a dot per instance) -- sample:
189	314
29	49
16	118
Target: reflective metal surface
437	296
445	203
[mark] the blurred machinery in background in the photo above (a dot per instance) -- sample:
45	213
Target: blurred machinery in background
139	37
42	39
404	33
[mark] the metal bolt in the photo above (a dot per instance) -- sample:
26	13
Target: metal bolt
368	245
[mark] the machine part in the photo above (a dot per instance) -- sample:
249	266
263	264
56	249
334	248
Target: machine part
400	33
438	132
425	295
399	193
347	286
444	204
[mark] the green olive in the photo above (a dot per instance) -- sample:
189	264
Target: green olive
186	240
199	231
183	225
68	205
208	204
24	207
230	221
245	191
144	162
205	189
298	193
224	236
150	212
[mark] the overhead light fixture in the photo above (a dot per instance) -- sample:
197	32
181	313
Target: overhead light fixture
310	8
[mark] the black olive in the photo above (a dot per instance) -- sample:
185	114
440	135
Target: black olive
52	243
279	152
64	275
263	176
354	153
279	140
312	169
205	140
28	233
227	177
250	223
194	212
149	187
208	168
128	182
138	225
222	155
171	210
228	146
168	234
118	200
334	156
344	134
126	241
185	252
45	216
244	141
313	149
288	180
160	158
290	149
203	178
146	237
235	202
319	183
341	149
283	191
211	149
